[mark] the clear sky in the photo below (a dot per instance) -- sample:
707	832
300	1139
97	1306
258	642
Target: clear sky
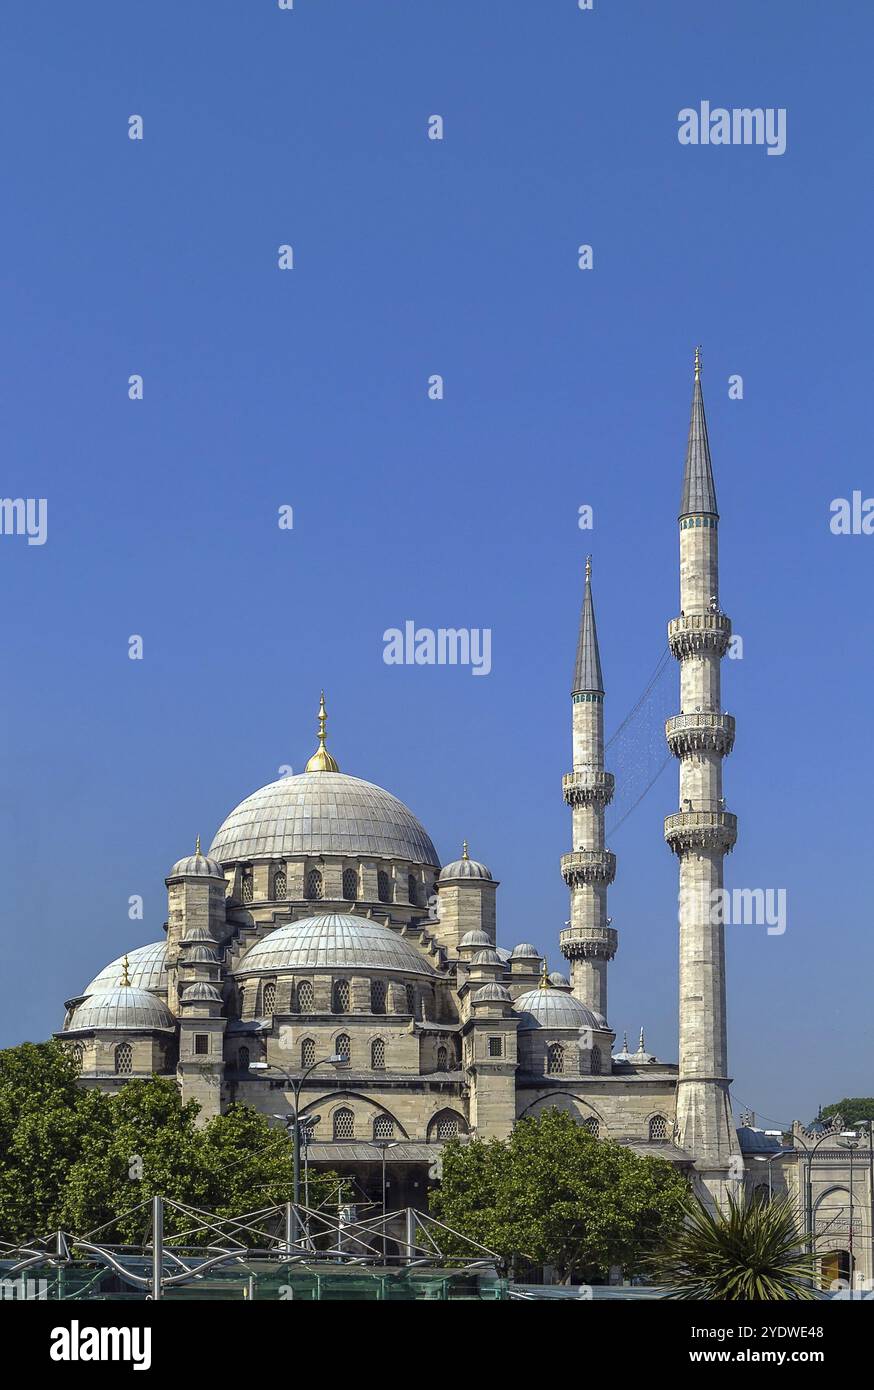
308	388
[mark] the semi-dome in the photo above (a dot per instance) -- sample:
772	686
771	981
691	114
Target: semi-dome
322	813
201	955
146	969
552	1008
196	865
465	867
334	941
475	938
493	992
524	951
122	1009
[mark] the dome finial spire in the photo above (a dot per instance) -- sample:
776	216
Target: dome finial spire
544	976
196	845
321	761
464	850
125	973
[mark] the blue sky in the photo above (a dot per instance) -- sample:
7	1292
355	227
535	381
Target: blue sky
309	388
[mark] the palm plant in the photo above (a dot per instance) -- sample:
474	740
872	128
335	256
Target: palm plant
752	1251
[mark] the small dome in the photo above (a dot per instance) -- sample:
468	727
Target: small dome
503	953
553	1008
465	867
525	951
560	981
200	955
196	865
201	935
335	940
495	992
121	1009
146	967
487	957
201	991
475	938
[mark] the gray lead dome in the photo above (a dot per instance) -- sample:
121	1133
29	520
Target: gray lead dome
322	813
122	1009
147	969
553	1008
334	940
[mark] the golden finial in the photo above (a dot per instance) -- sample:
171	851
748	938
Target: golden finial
321	761
196	845
544	977
698	363
588	568
464	853
125	973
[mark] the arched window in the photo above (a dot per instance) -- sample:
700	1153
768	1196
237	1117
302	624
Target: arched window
313	885
658	1127
447	1127
344	1124
247	886
377	1054
280	883
383	1127
308	1052
595	1061
377	996
343	1046
411	999
592	1125
77	1056
350	885
412	889
555	1059
305	997
124	1059
243	1059
442	1059
383	887
340	997
269	997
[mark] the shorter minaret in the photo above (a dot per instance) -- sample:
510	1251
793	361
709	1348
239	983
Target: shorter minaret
588	943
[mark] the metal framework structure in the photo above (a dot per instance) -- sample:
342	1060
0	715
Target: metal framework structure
288	1235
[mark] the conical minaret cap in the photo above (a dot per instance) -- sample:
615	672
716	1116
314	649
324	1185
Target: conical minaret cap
699	494
587	672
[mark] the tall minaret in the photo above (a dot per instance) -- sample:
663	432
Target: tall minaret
588	943
702	832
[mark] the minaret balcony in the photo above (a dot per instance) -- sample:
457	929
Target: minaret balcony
705	731
699	632
588	943
591	787
584	866
694	830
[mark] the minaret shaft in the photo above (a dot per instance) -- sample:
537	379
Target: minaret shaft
702	832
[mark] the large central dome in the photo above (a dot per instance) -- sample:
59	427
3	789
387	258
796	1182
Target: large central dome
322	813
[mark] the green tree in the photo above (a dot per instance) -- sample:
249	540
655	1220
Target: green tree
77	1159
852	1111
751	1251
553	1194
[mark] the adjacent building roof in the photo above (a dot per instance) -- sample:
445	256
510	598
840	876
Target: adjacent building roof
322	813
334	941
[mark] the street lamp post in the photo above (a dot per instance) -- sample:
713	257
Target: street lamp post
296	1085
384	1145
769	1159
851	1145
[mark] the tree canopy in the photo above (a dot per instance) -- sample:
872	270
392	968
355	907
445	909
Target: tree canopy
553	1194
74	1158
852	1110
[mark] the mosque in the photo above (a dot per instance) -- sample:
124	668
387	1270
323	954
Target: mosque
320	949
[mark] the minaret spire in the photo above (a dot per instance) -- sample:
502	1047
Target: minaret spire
699	493
702	832
588	942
